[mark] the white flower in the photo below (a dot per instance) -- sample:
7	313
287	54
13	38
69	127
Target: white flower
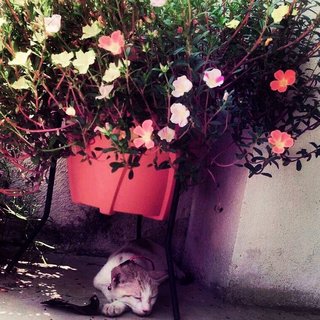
63	59
158	3
105	91
84	60
167	134
52	24
71	111
181	86
180	114
112	73
213	78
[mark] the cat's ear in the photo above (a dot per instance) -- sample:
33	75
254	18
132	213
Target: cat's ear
158	276
116	276
115	279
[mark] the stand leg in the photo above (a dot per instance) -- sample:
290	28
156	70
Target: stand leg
171	223
43	220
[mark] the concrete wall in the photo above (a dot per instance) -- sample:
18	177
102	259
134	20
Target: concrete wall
276	255
264	247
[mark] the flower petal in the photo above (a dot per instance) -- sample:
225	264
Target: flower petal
278	150
290	75
138	142
147	125
149	144
276	134
274	85
279	75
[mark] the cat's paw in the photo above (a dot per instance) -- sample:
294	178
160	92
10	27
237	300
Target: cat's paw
114	309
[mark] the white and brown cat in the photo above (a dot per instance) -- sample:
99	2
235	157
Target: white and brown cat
130	278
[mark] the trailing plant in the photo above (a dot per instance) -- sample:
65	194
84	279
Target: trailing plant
167	75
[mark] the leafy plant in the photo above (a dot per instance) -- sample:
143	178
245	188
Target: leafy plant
170	75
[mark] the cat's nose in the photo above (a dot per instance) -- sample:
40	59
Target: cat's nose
146	311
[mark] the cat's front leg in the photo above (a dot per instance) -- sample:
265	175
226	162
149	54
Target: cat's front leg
114	308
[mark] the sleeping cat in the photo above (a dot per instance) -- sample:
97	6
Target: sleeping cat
130	278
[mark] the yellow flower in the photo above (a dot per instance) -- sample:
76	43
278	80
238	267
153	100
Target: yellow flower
63	59
112	73
279	13
84	60
233	24
21	83
37	37
19	3
91	31
2	22
20	59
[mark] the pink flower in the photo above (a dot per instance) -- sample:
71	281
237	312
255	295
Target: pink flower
180	114
113	43
280	140
181	86
158	3
179	29
145	132
213	78
284	79
167	134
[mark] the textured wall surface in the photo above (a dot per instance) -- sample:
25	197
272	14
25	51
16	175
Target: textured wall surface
277	250
211	234
264	247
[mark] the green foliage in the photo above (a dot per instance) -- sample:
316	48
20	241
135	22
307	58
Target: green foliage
184	37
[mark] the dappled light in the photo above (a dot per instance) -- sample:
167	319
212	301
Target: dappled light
31	315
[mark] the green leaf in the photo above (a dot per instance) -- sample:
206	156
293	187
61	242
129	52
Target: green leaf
298	165
116	165
267	174
130	175
258	151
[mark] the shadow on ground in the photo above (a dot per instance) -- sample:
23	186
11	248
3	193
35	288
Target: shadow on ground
70	278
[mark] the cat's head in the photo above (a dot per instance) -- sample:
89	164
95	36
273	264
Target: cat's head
136	287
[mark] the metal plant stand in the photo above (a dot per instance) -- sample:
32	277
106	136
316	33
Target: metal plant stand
168	243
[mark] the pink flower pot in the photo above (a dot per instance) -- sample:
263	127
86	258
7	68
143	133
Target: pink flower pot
149	193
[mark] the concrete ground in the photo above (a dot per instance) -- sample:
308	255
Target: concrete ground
70	278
